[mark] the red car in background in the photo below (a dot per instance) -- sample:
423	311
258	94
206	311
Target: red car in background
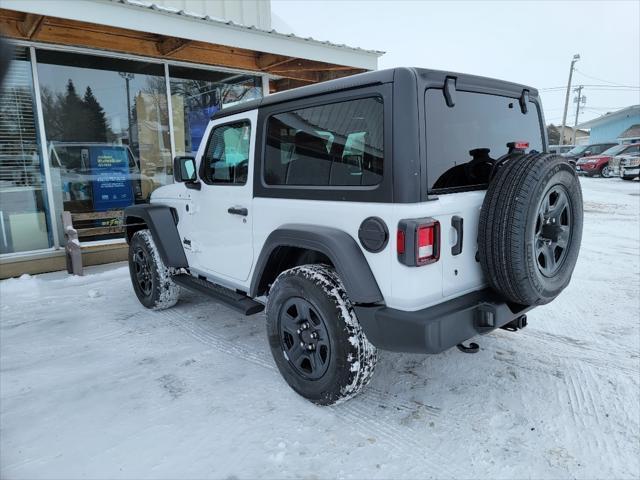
599	164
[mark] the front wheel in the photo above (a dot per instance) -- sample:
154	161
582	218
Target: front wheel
315	338
605	172
151	279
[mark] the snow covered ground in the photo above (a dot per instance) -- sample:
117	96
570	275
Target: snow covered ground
95	386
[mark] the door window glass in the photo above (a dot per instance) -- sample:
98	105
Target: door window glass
226	159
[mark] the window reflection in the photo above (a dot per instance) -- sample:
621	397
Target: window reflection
24	220
197	94
107	128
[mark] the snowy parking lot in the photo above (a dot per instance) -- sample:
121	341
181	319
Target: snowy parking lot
95	386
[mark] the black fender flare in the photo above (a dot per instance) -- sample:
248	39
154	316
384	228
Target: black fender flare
162	222
337	245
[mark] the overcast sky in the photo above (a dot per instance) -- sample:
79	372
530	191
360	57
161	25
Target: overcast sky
526	42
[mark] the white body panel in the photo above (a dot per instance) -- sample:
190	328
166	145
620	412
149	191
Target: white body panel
225	247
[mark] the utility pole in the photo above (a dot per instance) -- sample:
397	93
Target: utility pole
576	57
578	100
127	78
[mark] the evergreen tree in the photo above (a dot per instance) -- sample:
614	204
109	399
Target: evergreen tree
73	115
96	121
553	134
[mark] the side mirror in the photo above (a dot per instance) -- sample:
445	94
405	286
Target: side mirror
184	169
587	153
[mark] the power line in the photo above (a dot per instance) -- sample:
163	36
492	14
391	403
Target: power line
596	87
599	79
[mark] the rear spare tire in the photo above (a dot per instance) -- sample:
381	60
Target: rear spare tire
530	228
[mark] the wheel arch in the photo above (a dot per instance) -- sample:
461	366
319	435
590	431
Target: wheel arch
161	221
285	246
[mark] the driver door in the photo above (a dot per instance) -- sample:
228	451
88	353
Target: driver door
221	220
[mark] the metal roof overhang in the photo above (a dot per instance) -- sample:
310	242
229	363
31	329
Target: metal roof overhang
164	22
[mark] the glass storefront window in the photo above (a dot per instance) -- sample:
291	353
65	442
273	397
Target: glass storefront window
107	128
24	213
197	94
107	138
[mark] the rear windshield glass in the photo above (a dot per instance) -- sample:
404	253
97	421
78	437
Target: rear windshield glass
463	141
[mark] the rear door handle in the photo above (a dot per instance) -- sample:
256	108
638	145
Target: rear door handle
457	224
238	211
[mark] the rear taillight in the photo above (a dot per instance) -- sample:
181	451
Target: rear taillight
426	245
418	241
400	242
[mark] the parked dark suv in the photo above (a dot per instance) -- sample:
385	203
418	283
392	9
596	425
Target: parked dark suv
580	151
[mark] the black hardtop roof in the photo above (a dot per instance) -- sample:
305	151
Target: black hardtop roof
434	78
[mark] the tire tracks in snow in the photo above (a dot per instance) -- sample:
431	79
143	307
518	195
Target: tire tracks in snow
564	348
360	412
582	376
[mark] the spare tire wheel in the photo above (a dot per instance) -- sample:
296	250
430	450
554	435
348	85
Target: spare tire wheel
530	228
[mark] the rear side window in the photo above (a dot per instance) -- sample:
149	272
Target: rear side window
463	141
339	144
226	160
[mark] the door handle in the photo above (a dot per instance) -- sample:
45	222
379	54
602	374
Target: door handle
238	211
456	223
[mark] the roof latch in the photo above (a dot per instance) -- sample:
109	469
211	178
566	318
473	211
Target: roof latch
524	101
450	91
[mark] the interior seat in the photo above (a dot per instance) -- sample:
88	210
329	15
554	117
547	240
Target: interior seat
311	164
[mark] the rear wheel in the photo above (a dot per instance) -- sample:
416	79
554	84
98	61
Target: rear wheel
315	337
530	228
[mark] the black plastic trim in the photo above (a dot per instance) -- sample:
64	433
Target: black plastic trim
238	301
337	245
435	329
161	222
373	234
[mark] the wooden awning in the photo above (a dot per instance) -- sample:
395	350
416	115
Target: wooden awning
289	71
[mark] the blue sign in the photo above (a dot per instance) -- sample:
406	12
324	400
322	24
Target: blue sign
110	178
198	121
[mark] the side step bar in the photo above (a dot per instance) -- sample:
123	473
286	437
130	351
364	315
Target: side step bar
233	299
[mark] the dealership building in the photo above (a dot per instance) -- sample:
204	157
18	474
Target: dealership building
101	95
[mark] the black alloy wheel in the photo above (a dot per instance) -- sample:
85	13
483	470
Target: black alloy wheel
143	273
553	230
304	338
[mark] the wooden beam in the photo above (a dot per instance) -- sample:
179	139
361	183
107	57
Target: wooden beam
267	61
59	31
328	68
31	25
170	45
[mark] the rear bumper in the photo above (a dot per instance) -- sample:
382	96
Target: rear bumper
437	328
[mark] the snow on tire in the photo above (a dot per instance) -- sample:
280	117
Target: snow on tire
315	337
150	277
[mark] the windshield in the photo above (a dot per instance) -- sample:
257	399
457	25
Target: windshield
577	150
610	152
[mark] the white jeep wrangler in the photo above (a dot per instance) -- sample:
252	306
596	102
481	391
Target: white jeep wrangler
405	209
